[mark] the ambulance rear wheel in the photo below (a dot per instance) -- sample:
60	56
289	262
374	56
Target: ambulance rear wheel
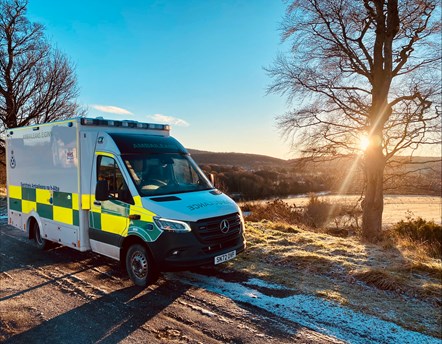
139	266
41	243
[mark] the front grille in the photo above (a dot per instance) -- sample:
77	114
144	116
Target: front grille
220	246
209	230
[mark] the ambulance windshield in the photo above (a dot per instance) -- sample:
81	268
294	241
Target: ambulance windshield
167	173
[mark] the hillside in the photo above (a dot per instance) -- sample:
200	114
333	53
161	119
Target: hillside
255	176
403	175
257	161
244	160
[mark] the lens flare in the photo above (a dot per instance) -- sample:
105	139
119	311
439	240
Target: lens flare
364	141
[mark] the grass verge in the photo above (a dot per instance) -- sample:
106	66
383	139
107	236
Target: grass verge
384	281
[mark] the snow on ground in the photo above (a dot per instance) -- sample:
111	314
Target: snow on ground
313	312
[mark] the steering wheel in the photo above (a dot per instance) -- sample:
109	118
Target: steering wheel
156	182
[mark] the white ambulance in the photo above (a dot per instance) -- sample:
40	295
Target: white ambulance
124	189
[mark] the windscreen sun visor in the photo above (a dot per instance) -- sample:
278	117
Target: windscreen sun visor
136	144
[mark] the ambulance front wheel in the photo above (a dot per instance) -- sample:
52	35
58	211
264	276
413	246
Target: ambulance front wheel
139	266
41	243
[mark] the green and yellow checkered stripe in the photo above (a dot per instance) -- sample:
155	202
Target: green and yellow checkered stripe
53	205
113	217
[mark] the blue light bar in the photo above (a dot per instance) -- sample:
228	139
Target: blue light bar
124	124
89	121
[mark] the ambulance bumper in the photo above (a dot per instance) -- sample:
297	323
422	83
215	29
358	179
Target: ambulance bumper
174	251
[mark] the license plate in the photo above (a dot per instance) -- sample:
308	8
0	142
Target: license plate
225	257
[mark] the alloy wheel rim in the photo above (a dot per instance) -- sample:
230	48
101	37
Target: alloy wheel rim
139	265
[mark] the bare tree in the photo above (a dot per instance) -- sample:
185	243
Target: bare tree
37	83
355	68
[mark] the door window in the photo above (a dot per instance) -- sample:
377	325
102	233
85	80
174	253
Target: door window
108	170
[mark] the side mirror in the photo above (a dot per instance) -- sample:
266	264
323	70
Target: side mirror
102	191
212	178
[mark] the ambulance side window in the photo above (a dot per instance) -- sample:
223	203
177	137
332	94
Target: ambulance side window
108	170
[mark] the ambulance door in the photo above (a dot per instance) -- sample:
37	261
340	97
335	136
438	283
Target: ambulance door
109	218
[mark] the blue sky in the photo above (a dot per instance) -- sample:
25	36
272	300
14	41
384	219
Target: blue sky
195	64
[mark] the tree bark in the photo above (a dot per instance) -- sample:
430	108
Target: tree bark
380	111
373	204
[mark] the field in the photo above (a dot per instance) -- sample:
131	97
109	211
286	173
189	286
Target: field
396	207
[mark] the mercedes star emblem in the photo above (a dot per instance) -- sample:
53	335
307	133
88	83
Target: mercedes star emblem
224	226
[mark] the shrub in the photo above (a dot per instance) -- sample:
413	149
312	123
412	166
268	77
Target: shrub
317	212
379	279
423	232
344	216
275	211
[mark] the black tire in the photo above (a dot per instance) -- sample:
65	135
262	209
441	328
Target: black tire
41	243
139	266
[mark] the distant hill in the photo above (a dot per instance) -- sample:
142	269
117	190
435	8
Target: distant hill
257	161
422	176
244	160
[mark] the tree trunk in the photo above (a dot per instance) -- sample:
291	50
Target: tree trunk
373	204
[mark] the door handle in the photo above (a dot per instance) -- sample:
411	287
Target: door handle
134	217
97	203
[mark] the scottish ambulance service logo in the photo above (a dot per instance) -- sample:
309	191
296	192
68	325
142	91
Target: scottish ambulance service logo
12	161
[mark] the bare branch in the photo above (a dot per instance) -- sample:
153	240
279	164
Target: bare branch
37	83
355	68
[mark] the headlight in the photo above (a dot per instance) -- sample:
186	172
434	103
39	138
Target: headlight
171	225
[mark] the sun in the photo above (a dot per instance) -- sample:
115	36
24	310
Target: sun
364	142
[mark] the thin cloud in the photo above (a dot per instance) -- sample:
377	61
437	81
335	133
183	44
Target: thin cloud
169	120
112	109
